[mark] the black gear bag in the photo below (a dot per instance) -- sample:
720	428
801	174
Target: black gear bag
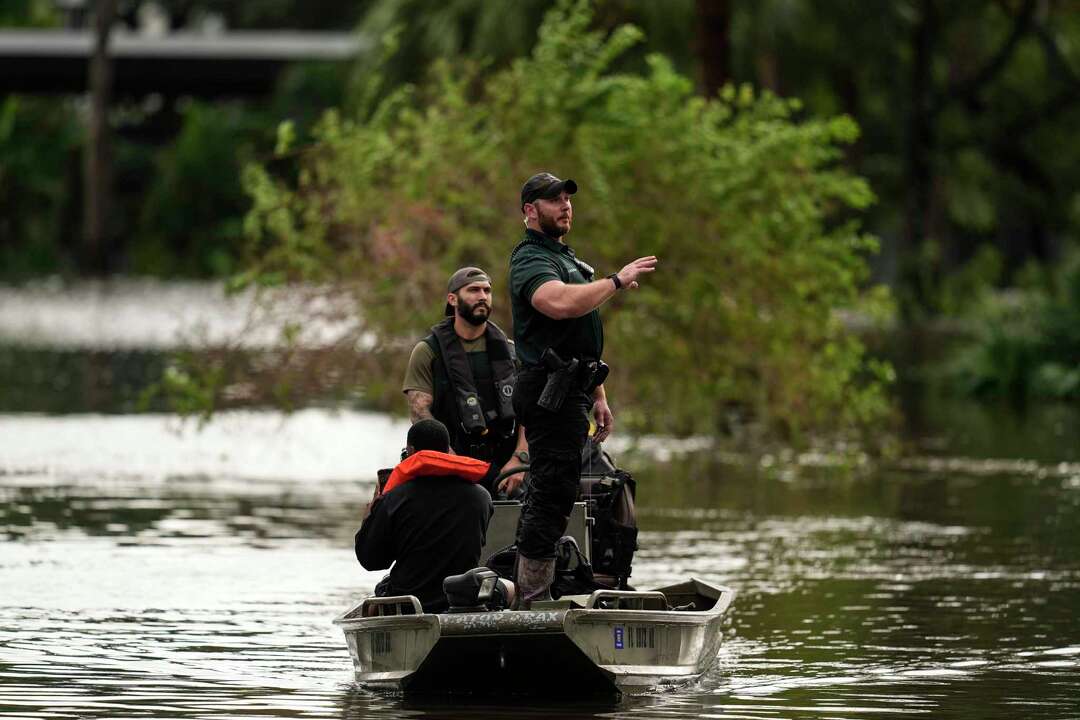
609	494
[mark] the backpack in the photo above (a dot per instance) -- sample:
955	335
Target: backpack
609	493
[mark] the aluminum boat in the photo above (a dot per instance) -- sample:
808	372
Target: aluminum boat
608	642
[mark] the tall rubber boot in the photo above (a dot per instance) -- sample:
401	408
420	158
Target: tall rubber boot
534	579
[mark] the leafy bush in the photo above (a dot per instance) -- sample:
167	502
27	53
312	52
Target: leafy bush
743	201
36	179
1027	341
189	221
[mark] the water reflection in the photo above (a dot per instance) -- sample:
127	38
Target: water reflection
178	510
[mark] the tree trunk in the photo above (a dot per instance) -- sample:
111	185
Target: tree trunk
713	43
846	88
919	171
97	171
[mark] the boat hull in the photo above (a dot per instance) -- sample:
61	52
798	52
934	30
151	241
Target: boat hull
613	642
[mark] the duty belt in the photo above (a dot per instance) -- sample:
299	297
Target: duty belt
566	375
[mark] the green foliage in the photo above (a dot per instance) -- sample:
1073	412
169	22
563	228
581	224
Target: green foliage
178	207
190	222
969	111
28	13
971	285
191	385
746	206
35	184
1027	341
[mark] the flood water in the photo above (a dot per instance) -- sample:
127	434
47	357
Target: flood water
152	569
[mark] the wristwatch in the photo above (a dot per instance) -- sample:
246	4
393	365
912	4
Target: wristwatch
614	277
523	456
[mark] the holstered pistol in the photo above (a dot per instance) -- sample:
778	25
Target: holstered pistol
561	376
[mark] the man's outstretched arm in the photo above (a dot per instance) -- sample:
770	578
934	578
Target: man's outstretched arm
561	301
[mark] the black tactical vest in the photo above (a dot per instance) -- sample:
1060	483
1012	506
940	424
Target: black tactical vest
473	392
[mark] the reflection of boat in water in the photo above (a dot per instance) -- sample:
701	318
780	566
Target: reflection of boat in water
608	642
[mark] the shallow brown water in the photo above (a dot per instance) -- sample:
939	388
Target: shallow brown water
130	588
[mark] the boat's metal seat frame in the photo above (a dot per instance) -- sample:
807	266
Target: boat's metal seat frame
627	600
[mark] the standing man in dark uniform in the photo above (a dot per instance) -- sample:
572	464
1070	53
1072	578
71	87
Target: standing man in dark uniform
554	300
463	374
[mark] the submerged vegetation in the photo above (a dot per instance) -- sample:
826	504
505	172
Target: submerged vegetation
741	196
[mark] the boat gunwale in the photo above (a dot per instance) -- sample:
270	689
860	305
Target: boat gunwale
526	622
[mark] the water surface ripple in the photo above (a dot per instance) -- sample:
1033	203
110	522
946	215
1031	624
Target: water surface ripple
916	592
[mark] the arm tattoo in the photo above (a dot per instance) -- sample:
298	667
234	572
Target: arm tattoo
419	405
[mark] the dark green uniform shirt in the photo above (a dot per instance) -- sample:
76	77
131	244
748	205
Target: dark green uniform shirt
537	260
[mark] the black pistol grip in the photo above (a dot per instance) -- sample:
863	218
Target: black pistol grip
557	386
551	360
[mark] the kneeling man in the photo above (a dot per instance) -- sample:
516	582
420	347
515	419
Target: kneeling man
429	521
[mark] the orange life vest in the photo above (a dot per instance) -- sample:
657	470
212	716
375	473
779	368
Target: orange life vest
431	463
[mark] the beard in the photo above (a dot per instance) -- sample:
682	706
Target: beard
475	315
549	226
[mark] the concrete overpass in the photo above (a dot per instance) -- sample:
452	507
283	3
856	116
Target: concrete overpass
225	64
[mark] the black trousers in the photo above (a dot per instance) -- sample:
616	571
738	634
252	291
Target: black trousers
555	440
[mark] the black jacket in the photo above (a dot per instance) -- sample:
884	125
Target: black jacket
429	528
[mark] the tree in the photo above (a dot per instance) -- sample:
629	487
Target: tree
746	207
97	178
714	43
966	109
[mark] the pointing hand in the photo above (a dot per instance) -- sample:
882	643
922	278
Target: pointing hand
629	275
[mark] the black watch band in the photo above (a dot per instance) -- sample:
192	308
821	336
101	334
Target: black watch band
614	277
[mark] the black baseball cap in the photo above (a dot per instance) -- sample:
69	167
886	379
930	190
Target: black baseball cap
547	186
462	277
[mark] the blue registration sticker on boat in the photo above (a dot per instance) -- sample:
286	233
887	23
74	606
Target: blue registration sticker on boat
619	637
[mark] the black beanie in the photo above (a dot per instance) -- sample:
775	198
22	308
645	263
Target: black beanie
429	434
